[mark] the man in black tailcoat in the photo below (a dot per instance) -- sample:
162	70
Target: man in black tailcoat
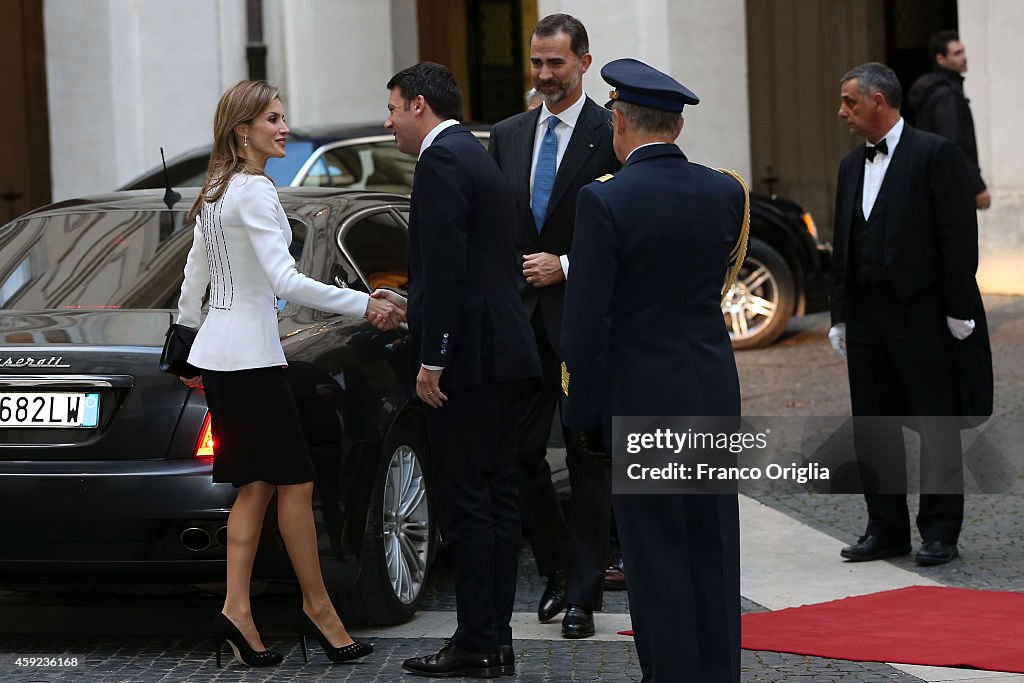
907	313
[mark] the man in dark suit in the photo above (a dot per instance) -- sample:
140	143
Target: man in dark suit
940	106
905	309
643	335
547	154
472	356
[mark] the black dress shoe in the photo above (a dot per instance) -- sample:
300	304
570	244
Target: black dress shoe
552	600
873	548
578	622
936	552
507	659
452	661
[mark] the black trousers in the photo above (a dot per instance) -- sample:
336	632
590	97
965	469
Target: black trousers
900	365
682	556
473	440
580	546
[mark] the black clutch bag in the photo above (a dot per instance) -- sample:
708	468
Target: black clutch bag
177	344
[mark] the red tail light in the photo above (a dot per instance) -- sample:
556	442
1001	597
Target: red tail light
204	447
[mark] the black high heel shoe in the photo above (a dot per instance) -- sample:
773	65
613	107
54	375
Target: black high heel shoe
224	630
354	650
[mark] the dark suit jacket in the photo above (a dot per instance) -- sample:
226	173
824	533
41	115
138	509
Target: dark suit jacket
589	155
930	241
464	309
643	332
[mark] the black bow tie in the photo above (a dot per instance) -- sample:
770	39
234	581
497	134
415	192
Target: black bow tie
870	152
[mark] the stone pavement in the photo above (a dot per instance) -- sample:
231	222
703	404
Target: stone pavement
790	556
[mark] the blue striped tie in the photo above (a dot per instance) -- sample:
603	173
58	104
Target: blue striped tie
544	175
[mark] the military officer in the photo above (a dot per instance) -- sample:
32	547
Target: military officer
643	334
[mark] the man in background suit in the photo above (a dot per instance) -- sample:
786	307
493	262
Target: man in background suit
905	306
472	356
643	335
547	154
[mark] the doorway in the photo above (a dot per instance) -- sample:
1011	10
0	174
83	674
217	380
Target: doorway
25	164
486	45
797	51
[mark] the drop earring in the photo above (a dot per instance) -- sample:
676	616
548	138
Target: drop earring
245	141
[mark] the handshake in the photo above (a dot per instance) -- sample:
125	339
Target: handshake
386	309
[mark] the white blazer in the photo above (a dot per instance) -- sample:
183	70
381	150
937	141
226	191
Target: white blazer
240	249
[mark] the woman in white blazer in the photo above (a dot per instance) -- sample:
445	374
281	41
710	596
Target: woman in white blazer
240	251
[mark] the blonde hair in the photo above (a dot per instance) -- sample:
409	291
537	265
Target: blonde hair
242	103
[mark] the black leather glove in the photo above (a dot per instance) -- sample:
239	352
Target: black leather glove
590	445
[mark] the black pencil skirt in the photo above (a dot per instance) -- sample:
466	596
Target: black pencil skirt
257	435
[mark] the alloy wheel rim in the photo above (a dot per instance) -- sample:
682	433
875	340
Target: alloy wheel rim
751	303
406	524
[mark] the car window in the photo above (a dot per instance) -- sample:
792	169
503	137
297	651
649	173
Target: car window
330	170
377	245
363	166
282	170
112	259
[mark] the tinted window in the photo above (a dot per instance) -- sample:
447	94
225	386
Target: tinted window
363	166
117	259
378	246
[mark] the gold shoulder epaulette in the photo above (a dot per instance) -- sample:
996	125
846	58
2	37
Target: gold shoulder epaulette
565	379
605	178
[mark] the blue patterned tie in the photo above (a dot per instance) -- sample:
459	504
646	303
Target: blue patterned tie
544	175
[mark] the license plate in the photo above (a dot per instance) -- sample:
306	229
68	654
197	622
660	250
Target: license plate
49	409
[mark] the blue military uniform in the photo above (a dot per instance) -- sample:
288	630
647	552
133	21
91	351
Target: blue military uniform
643	334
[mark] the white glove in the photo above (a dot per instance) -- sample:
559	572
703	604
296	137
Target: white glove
837	337
961	329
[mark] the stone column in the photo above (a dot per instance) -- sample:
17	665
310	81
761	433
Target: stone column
125	78
332	58
701	43
989	30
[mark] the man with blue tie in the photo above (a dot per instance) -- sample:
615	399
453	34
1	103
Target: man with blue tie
547	154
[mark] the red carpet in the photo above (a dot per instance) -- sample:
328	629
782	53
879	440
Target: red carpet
955	627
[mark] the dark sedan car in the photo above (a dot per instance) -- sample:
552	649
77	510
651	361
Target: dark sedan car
785	274
105	462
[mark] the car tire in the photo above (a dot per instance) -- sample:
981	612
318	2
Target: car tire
758	307
399	538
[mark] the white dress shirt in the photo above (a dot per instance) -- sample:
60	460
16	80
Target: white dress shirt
240	249
432	135
563	131
874	171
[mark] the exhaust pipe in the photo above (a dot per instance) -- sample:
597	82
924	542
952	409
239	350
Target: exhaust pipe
221	537
195	539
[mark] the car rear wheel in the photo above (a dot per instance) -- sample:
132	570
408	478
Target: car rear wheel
759	305
399	536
